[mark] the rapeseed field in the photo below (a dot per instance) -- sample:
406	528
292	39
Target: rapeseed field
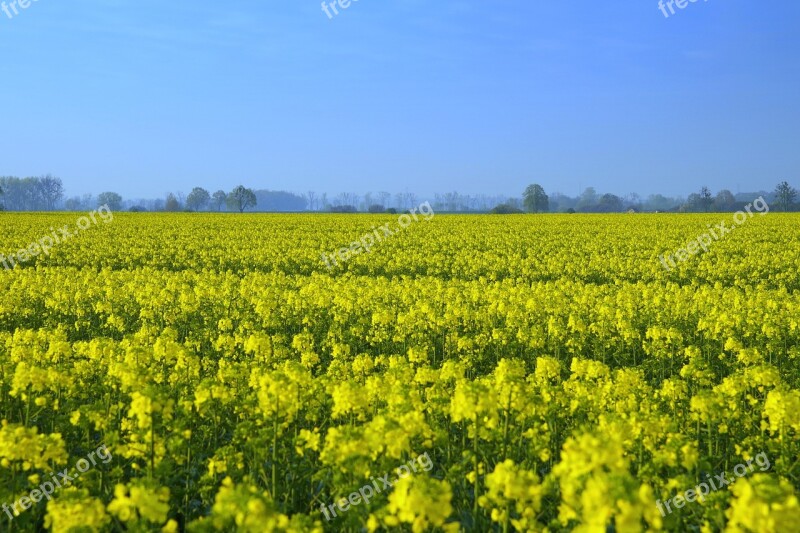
206	372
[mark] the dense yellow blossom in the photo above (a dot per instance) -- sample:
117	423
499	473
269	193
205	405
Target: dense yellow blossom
553	373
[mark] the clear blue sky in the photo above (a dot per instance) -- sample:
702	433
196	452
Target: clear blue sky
148	97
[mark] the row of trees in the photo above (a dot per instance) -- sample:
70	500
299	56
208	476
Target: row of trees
46	193
239	199
31	194
383	201
535	200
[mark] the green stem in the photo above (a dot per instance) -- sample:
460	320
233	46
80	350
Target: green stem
477	475
275	458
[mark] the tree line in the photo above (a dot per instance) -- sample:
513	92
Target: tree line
535	200
46	193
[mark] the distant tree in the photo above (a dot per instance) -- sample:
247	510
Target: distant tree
633	201
138	209
514	202
280	201
399	200
172	204
344	209
368	201
33	194
453	201
483	202
218	199
198	199
694	203
111	199
77	203
72	204
725	201
786	195
706	199
17	195
610	203
311	198
505	209
52	191
659	202
241	198
535	199
587	200
345	199
376	208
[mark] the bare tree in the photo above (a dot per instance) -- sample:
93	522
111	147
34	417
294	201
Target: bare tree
345	199
452	201
340	200
52	191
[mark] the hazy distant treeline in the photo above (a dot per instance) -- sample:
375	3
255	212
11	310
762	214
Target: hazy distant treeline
46	193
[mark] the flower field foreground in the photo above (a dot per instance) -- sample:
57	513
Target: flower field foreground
554	374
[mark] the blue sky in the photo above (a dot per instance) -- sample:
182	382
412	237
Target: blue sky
148	97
